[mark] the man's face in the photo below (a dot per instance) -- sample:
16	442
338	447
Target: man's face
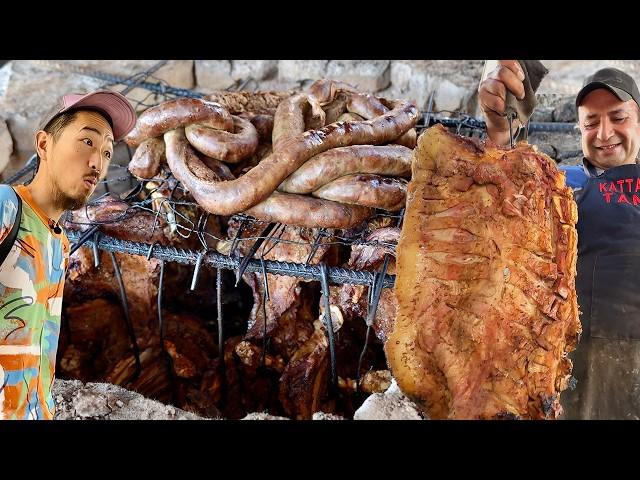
610	129
79	158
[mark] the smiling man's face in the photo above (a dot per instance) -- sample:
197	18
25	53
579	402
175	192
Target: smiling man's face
610	129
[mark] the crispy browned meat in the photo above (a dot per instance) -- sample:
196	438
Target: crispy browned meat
95	342
245	386
288	329
486	266
290	308
374	381
189	344
353	299
252	355
304	381
284	291
139	275
255	102
93	338
118	219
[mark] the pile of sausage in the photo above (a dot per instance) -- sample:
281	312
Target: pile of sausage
336	154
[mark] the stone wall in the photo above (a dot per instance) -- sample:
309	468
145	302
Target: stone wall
28	88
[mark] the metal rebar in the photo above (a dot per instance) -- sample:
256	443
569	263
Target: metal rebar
254	248
315	245
159	87
234	243
96	253
243	84
196	270
264	277
377	291
324	282
219	311
265	299
400	218
163	349
82	239
273	236
510	121
337	275
374	298
362	353
160	319
127	317
151	250
145	74
429	119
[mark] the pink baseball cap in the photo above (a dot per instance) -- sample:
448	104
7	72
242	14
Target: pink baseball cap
113	104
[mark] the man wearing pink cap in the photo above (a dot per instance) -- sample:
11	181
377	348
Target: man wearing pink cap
74	144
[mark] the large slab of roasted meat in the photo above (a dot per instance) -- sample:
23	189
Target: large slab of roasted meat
486	264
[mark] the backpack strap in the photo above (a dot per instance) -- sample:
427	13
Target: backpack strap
7	244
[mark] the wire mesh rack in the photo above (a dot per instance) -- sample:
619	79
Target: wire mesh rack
160	91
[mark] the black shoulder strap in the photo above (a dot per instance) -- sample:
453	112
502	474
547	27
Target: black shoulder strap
5	246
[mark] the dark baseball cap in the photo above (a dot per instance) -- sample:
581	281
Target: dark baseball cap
112	104
616	81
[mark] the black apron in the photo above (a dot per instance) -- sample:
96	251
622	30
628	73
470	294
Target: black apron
607	359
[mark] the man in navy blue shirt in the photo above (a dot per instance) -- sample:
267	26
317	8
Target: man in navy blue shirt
607	191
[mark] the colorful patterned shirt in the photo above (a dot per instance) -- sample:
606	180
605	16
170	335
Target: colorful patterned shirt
31	286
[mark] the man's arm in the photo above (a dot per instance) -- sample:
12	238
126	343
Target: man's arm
8	210
492	97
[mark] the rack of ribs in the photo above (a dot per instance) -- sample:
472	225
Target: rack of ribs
486	263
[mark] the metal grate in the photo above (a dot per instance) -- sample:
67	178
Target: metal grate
160	91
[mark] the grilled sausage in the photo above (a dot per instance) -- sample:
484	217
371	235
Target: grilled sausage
147	158
155	121
303	211
367	190
225	146
227	198
390	160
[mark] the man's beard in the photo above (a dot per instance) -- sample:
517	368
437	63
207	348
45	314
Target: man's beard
63	201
